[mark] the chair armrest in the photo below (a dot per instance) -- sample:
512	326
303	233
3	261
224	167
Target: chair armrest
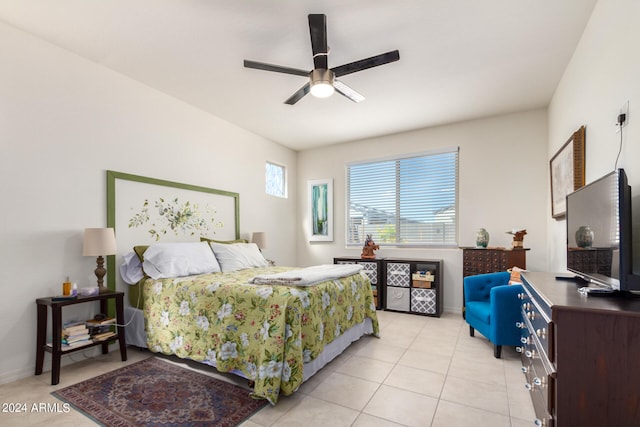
505	305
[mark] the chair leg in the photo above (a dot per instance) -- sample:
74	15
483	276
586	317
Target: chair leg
497	350
471	331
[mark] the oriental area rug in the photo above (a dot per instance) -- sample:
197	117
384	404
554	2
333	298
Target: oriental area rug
154	392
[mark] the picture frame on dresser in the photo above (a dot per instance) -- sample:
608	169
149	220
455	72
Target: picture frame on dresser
567	171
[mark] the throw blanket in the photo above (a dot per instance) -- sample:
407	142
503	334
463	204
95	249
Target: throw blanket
308	276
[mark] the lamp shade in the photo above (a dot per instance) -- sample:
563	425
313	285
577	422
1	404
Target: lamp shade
260	239
99	241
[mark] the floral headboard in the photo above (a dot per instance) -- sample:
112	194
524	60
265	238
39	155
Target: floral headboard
146	210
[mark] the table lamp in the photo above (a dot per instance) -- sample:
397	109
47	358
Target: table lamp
260	239
99	242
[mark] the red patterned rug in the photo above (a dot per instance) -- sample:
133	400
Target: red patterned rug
154	392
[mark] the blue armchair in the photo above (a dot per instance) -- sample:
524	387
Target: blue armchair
493	308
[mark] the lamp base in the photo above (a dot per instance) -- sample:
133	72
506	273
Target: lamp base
103	289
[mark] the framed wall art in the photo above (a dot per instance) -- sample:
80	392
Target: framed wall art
321	210
567	169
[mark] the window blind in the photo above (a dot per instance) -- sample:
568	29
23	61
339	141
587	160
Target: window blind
407	201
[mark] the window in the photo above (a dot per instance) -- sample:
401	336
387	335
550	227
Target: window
276	180
408	201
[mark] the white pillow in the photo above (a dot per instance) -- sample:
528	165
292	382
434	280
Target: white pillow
238	256
131	268
179	259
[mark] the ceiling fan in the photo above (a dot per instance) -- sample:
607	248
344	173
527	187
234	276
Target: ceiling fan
322	79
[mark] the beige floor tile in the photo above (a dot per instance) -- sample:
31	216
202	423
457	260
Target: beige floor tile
479	395
416	380
312	412
366	368
268	415
366	420
380	350
402	406
515	422
451	414
520	401
424	360
345	390
487	371
444	346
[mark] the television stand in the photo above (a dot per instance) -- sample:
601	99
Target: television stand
580	355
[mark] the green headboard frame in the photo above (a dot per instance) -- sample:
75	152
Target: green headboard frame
112	176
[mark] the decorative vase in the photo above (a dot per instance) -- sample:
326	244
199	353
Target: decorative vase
482	238
584	237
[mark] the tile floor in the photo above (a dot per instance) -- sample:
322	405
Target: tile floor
423	371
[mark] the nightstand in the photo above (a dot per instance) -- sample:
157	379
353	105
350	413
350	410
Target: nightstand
56	328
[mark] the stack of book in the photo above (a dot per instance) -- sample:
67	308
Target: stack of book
100	330
75	334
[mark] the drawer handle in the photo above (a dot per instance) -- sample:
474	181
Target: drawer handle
540	423
520	325
397	295
524	369
535	383
542	333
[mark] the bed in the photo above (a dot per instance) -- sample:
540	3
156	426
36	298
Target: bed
275	326
195	299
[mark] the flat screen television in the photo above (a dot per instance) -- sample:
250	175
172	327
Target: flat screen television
599	240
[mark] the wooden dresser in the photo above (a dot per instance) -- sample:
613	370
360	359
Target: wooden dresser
489	260
580	354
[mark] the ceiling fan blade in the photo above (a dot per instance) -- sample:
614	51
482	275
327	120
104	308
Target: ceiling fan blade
299	94
318	31
276	68
363	64
346	91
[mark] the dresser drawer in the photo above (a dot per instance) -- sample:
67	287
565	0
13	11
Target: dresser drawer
538	321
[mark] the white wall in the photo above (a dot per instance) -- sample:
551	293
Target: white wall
64	121
503	185
602	76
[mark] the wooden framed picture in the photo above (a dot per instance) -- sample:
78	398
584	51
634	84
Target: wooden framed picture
567	168
321	206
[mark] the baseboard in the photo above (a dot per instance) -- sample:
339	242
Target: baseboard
67	359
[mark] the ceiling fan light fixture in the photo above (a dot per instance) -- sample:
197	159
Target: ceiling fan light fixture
322	83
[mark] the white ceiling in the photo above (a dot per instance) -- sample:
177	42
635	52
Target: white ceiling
459	59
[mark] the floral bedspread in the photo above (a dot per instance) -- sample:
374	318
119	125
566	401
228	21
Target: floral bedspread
266	331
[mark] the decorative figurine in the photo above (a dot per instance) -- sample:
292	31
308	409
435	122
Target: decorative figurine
369	247
518	237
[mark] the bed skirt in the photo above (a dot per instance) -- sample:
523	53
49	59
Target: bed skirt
136	336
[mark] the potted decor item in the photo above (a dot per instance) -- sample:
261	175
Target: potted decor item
482	238
584	237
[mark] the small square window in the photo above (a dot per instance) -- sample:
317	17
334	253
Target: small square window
276	180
